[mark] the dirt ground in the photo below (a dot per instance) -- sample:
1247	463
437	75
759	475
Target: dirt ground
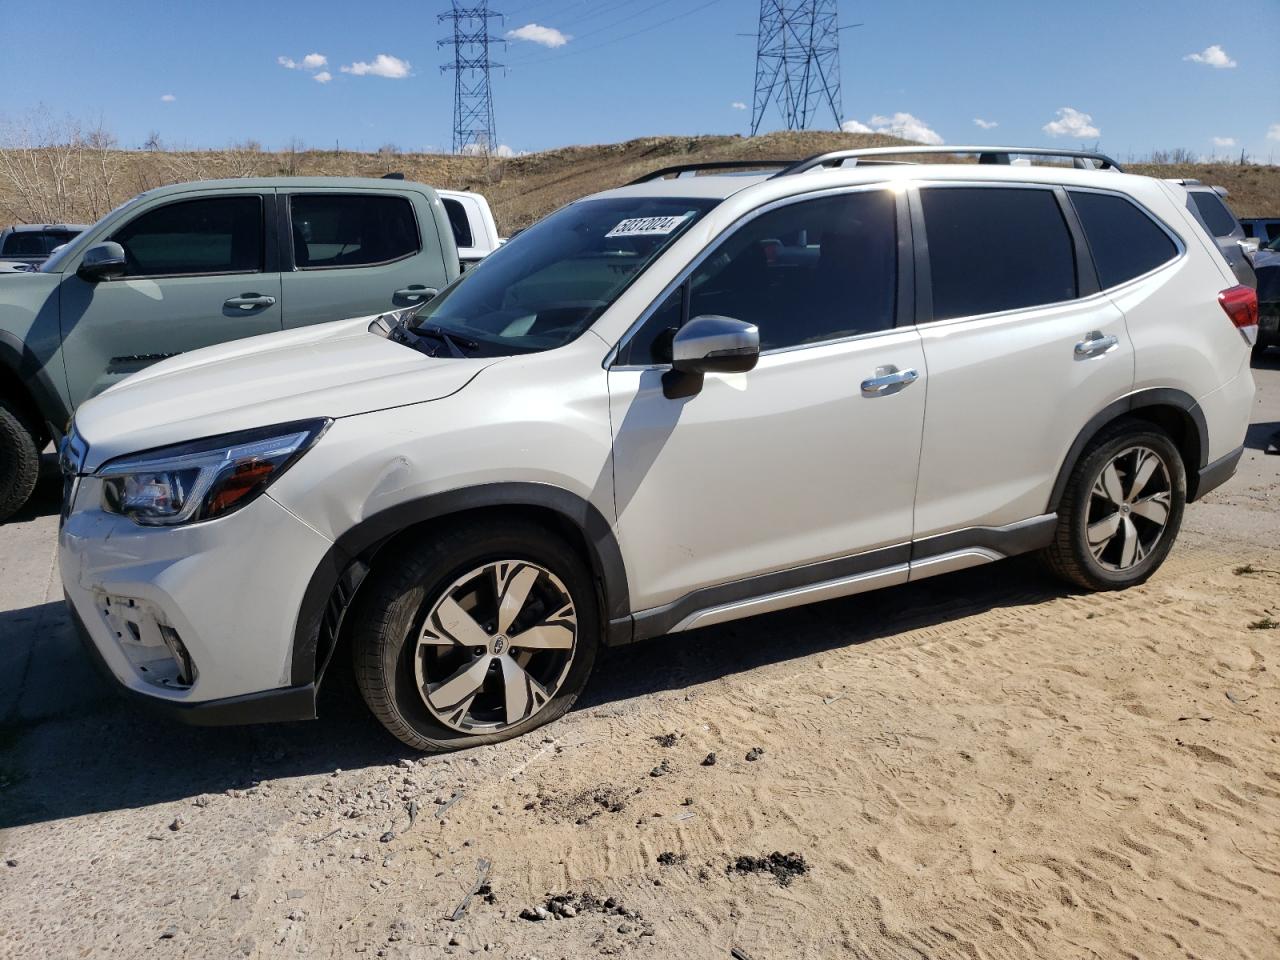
984	765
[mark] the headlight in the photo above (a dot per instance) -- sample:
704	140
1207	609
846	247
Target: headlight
204	479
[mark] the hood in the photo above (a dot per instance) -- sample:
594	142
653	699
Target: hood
328	370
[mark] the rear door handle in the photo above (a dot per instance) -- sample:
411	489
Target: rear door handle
416	292
887	379
249	301
1095	344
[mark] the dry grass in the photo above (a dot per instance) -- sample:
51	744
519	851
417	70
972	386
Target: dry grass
521	189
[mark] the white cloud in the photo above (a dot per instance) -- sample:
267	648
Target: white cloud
324	76
168	98
985	124
384	65
738	105
287	63
1212	56
535	33
314	61
902	125
501	150
1223	141
1072	123
1273	132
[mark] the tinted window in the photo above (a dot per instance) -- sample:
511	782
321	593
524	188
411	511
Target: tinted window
336	230
1215	213
459	222
993	249
35	243
215	235
1124	241
806	272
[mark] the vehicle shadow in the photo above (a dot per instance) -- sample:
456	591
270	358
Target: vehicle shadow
1259	436
98	753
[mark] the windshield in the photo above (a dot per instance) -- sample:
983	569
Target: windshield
549	284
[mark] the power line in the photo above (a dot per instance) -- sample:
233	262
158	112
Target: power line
626	36
797	61
473	124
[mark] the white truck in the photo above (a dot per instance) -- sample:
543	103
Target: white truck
474	230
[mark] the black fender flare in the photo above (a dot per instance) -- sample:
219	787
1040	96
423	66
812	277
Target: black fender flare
1154	397
47	404
335	580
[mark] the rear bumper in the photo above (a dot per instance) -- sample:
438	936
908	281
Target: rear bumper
269	706
1215	474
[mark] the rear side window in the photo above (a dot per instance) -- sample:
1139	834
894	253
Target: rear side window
351	230
994	249
208	236
1124	241
1214	213
459	222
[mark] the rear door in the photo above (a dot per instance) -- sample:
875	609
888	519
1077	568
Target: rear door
350	253
202	269
1021	349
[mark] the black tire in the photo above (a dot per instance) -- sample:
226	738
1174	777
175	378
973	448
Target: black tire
409	583
1069	556
19	461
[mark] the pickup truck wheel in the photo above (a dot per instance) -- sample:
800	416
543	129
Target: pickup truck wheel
1122	509
476	635
19	461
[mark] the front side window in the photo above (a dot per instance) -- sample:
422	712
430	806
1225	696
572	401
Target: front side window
1124	241
543	288
458	221
207	236
351	230
994	248
1215	214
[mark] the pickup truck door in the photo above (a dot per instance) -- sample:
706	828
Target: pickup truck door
202	269
352	253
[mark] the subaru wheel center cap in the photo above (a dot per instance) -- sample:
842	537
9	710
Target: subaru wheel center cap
498	644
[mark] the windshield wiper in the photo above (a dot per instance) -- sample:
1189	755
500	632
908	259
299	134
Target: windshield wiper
455	342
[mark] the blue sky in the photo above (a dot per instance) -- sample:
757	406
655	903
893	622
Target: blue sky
633	68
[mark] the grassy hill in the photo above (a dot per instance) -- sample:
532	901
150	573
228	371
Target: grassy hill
83	183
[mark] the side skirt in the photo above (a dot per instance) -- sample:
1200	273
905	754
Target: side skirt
846	576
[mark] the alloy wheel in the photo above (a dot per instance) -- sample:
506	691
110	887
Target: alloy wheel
495	646
1129	507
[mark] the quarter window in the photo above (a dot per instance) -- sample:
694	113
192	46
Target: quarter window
459	222
207	236
806	272
351	230
993	249
1124	241
1214	213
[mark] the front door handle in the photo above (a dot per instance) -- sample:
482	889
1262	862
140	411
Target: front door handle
416	292
249	301
1095	344
888	380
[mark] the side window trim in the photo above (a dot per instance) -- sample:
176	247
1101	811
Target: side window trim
1086	269
924	278
623	347
1180	248
264	200
289	260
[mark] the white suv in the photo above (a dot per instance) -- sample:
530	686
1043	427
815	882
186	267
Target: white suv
688	400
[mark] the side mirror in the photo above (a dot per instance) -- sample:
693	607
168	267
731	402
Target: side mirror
103	261
709	344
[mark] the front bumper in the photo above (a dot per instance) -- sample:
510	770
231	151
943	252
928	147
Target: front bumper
198	619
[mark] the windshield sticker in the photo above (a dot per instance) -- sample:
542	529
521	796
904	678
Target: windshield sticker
648	226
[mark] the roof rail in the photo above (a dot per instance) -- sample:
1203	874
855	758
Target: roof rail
689	169
1081	159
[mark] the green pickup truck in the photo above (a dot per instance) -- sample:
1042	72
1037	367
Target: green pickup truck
195	264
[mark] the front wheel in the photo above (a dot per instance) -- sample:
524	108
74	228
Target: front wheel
1121	510
480	633
19	462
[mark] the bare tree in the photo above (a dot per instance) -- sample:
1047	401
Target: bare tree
55	171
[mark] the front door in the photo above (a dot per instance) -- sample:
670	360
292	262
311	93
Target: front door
200	271
801	460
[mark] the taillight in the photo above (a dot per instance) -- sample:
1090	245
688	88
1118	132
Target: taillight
1241	306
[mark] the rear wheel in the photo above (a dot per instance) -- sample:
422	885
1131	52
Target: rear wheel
1121	510
483	633
19	461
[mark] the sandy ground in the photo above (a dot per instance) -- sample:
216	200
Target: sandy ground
981	766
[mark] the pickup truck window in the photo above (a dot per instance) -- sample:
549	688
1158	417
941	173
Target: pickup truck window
193	237
459	222
545	287
351	230
35	243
